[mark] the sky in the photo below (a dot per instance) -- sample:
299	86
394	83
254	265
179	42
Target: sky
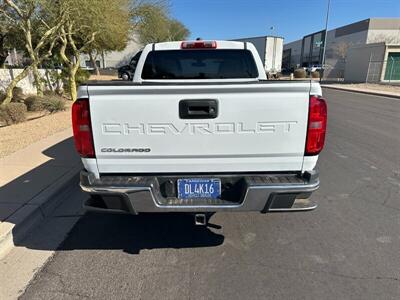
291	19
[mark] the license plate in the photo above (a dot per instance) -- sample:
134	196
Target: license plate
199	188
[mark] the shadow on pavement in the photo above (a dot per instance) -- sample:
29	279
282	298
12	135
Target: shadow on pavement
134	233
129	233
20	192
99	231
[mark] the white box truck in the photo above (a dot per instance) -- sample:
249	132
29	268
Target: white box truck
270	49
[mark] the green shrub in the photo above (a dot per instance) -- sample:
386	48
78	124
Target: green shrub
2	96
300	73
82	76
17	112
12	113
4	115
57	92
50	93
34	103
53	104
315	74
4	118
18	95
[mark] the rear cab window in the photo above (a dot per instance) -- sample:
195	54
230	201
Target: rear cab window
200	64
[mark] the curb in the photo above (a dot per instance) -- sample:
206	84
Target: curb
362	92
29	216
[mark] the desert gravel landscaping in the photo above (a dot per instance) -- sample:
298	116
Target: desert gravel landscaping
19	136
376	87
389	89
103	77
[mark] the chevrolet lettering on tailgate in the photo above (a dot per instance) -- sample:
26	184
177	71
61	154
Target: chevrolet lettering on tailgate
197	128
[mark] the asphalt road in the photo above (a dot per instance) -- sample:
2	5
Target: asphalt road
349	248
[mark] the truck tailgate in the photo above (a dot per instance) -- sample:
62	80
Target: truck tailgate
259	127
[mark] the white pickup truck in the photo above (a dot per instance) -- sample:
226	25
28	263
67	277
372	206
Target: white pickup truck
199	130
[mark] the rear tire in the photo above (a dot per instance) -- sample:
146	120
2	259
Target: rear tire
125	76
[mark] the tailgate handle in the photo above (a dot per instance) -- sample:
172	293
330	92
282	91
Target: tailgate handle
198	109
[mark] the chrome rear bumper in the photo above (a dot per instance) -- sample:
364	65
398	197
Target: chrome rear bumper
260	192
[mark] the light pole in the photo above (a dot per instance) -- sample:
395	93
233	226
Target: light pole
272	28
326	35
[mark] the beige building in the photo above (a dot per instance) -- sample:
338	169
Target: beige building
308	50
114	59
377	62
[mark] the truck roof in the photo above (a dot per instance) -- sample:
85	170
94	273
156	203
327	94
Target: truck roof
177	45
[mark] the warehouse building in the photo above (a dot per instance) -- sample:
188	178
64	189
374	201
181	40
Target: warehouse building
377	62
377	38
269	49
114	59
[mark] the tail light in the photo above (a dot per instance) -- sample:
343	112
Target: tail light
199	45
82	128
317	120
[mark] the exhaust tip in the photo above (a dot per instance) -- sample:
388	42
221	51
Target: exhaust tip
200	220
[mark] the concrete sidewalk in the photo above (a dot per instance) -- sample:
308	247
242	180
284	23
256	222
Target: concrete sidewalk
375	92
29	180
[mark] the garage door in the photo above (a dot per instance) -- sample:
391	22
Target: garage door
393	66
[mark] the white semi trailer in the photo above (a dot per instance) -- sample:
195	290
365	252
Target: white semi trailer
270	49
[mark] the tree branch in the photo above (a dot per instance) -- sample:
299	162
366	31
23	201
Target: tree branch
64	43
7	16
11	4
46	36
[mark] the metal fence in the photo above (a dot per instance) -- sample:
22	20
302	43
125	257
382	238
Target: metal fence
384	71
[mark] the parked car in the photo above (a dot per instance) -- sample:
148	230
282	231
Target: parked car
87	68
126	72
200	130
314	68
